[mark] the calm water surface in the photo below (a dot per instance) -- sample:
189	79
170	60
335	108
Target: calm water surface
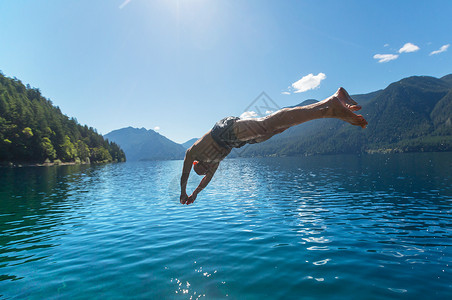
330	227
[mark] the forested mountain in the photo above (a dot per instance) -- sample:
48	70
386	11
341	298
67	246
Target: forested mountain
411	115
142	144
447	79
32	130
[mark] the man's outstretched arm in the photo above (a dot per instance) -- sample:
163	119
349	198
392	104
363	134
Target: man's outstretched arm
188	162
204	182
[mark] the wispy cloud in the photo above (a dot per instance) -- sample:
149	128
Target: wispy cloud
124	4
408	47
308	82
156	128
248	115
285	93
383	58
441	50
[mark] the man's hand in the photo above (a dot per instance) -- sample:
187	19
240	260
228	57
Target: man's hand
184	198
192	198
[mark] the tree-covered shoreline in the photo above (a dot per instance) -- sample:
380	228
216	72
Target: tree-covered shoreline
35	132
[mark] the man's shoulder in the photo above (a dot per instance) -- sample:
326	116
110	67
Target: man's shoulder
204	138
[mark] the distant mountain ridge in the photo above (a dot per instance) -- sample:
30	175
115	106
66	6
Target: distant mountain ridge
141	144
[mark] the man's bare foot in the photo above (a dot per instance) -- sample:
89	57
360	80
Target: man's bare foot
343	109
346	100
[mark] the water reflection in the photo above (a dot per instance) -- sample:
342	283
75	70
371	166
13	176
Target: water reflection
33	204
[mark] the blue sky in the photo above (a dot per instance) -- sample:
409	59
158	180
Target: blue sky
180	65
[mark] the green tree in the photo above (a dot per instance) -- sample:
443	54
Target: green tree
69	153
82	150
48	149
28	133
100	154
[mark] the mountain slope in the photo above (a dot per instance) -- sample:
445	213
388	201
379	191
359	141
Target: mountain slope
142	144
363	99
442	114
447	79
189	143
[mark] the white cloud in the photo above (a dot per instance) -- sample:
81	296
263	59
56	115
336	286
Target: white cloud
248	115
267	112
386	45
441	50
308	82
285	93
382	58
156	128
408	47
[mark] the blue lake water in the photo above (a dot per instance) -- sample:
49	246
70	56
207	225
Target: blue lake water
327	227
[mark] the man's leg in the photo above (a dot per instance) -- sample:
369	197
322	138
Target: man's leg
268	136
339	106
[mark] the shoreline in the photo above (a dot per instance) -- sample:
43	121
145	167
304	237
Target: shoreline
45	164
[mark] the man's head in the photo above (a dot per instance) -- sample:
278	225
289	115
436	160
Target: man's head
201	168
